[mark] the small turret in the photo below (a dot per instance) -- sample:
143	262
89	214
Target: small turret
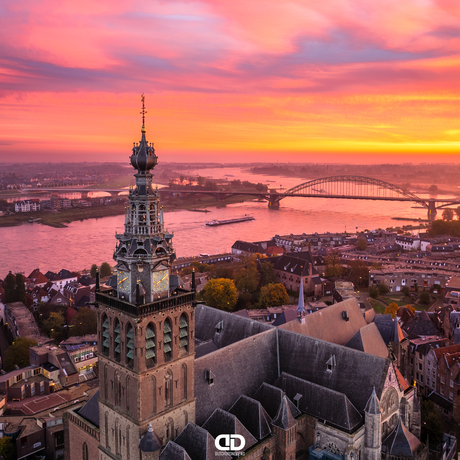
373	428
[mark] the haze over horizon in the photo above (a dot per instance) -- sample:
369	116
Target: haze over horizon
340	81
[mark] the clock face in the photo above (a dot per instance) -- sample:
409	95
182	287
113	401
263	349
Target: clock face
160	281
123	281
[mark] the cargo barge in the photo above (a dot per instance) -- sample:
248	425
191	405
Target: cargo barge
216	223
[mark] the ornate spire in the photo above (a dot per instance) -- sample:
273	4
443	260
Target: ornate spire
143	112
301	306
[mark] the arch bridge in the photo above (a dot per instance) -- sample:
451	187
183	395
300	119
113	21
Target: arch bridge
358	188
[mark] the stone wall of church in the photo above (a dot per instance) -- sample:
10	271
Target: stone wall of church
80	437
339	442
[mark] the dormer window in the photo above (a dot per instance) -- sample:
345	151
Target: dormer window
331	364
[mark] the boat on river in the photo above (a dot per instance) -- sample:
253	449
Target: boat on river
216	223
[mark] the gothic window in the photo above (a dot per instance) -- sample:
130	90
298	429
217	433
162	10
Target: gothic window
185	418
117	451
85	451
167	339
129	345
170	429
127	443
184	379
106	430
105	335
117	389
106	383
117	340
150	354
183	334
128	386
168	389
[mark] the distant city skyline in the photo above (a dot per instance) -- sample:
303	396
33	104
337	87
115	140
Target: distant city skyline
343	81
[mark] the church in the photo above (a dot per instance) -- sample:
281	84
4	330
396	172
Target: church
180	380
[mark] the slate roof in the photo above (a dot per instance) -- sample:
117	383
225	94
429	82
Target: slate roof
389	328
284	418
198	443
173	451
328	324
369	340
285	317
150	441
255	358
254	417
321	402
373	405
420	326
308	357
401	442
90	411
247	247
271	397
294	265
223	422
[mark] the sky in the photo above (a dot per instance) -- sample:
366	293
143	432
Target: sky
232	81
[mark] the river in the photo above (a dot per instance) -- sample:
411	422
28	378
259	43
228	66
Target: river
83	243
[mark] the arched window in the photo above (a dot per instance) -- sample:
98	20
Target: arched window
117	340
106	383
106	418
128	386
117	451
167	339
85	451
169	429
105	335
183	335
184	379
127	444
185	418
150	355
129	345
168	389
117	389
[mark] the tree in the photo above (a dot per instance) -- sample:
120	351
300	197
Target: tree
406	291
333	264
53	326
373	292
359	272
84	322
93	271
247	278
105	270
424	298
457	212
7	448
383	289
433	188
20	289
267	274
201	180
18	353
220	293
273	295
448	214
392	309
9	286
361	244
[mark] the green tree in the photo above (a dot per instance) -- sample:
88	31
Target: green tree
93	271
18	353
220	293
105	270
273	295
53	326
424	298
392	309
20	289
361	244
267	274
333	264
457	212
436	287
9	286
383	289
7	448
84	322
406	291
448	214
433	188
373	291
201	180
247	278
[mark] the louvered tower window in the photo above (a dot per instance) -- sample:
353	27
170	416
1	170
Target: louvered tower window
117	340
105	336
183	334
167	339
129	345
150	354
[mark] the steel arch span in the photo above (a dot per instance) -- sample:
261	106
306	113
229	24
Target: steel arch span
353	187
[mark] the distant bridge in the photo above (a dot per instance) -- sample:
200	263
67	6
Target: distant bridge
339	187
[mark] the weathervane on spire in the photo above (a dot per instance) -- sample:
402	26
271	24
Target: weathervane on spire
143	112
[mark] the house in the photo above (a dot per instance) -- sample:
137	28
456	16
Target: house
246	249
408	243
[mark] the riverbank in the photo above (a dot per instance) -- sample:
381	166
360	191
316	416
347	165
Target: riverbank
61	218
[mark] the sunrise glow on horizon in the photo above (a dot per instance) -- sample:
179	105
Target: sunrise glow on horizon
339	80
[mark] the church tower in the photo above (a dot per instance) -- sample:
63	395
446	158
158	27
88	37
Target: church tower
145	331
